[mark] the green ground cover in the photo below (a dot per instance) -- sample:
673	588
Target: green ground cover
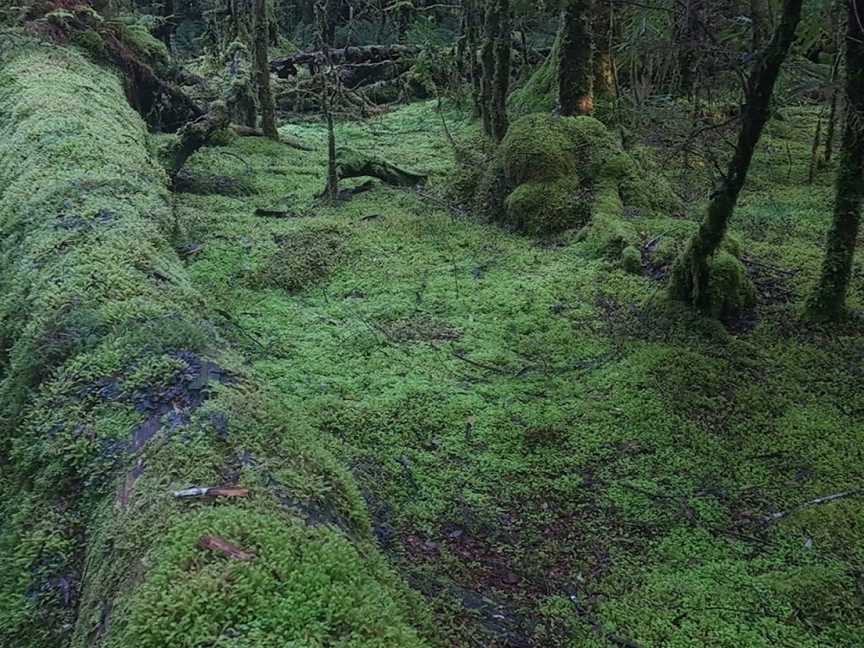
550	453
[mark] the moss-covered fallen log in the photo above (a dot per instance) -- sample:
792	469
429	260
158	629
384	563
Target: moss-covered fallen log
287	67
117	389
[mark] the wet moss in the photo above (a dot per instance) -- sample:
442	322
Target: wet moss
118	387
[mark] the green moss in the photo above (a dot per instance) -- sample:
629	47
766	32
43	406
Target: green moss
540	207
540	93
732	292
631	260
303	258
538	147
118	388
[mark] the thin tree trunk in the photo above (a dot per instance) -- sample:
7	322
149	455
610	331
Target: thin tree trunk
262	71
828	302
576	67
501	78
324	18
832	127
691	274
494	83
687	43
604	60
760	22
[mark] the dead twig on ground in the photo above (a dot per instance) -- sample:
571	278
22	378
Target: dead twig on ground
819	501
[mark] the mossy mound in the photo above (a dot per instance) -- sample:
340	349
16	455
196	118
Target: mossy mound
303	259
118	388
538	183
732	292
554	174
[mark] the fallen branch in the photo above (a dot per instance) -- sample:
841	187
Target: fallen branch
287	67
351	164
213	491
220	545
819	501
196	134
250	131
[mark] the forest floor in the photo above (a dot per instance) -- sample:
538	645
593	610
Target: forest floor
548	455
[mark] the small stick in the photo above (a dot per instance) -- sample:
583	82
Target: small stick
775	517
215	491
215	543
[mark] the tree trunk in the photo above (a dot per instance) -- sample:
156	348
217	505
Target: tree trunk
472	35
690	274
604	60
351	164
828	302
687	43
262	71
501	77
760	22
576	67
495	68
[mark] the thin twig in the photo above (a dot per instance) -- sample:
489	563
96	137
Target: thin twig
819	501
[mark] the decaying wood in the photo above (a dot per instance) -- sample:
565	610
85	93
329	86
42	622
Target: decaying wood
287	67
211	491
196	134
220	545
351	164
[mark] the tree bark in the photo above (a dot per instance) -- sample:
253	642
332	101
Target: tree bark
196	134
604	60
760	23
495	69
262	71
690	274
501	77
828	302
576	68
688	39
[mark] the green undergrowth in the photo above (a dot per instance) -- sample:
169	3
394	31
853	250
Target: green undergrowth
543	443
117	387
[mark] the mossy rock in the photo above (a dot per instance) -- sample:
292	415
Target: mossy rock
731	290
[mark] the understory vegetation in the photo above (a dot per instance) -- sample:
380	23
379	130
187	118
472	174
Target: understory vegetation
441	378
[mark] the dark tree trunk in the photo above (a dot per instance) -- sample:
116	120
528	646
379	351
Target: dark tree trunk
760	21
326	30
690	274
828	302
495	67
576	65
604	60
262	70
688	38
501	77
472	36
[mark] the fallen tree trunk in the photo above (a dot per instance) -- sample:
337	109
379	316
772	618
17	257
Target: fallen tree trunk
196	134
118	390
351	164
287	67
